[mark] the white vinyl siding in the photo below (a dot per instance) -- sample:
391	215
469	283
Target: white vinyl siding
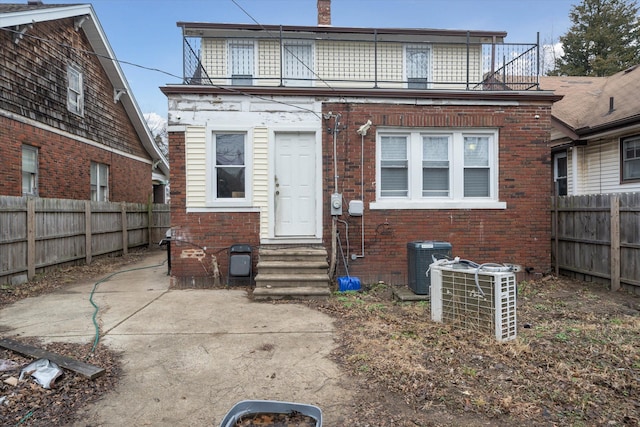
261	177
341	63
214	60
268	65
595	169
452	66
431	169
196	166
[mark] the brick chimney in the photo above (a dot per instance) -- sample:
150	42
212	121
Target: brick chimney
324	12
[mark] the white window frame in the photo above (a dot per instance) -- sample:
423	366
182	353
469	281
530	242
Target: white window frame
212	199
99	182
75	90
242	79
456	198
429	70
293	71
624	160
30	175
556	172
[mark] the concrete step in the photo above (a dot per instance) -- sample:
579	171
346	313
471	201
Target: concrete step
300	292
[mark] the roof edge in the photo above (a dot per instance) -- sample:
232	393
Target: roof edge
545	96
332	29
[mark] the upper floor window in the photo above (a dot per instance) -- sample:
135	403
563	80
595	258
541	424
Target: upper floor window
418	66
29	170
99	182
298	63
75	91
241	62
630	158
425	169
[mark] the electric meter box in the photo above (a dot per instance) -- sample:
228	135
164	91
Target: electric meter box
419	257
336	204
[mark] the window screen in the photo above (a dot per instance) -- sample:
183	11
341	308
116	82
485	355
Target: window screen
241	62
298	63
394	166
435	166
476	166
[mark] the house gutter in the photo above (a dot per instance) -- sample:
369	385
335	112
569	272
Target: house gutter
588	132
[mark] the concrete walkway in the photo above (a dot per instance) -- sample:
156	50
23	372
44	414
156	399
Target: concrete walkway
189	355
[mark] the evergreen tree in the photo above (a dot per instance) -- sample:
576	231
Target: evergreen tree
603	39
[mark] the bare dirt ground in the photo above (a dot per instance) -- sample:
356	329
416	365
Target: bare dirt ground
575	362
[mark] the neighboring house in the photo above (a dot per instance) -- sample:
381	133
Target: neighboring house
595	139
69	124
351	143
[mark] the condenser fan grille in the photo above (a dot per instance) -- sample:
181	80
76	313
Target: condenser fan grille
483	302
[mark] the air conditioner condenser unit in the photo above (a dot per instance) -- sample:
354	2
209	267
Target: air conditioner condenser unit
474	299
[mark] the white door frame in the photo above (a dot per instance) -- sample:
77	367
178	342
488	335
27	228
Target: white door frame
317	237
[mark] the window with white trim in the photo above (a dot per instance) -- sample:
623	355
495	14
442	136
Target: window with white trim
75	90
29	170
241	62
560	173
298	63
230	176
99	182
433	168
630	158
418	66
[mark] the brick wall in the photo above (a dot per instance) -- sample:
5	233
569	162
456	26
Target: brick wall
198	237
64	166
35	86
520	234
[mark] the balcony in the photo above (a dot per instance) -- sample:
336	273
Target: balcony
367	59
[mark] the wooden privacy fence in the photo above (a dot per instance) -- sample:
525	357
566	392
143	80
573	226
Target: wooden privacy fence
597	238
37	233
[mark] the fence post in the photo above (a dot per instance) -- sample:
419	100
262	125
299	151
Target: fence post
555	240
31	238
615	242
125	234
150	223
88	249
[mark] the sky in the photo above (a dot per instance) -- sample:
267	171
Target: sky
144	32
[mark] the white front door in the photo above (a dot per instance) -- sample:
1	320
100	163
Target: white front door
294	184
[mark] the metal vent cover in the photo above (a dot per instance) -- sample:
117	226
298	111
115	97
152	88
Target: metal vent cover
456	300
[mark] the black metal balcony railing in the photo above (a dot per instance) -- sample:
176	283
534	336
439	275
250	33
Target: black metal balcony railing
337	63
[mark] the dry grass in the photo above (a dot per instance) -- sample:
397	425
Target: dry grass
577	363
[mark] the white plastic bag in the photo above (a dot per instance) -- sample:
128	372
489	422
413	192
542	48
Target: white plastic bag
43	371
